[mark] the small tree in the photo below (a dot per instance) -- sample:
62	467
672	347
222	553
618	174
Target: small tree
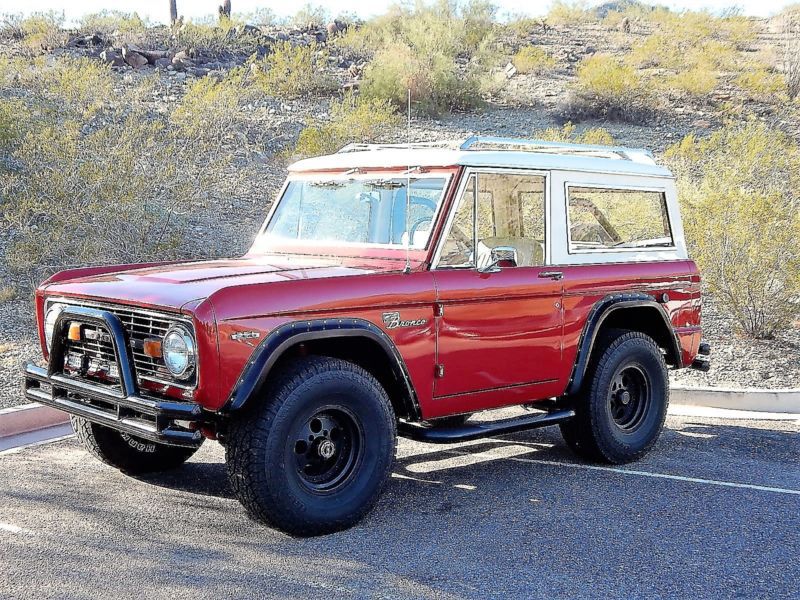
740	196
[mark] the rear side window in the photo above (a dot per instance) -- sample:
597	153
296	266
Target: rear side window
605	218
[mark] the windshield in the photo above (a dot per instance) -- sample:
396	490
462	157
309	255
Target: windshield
357	211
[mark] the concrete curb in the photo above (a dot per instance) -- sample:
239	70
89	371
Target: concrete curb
747	399
29	417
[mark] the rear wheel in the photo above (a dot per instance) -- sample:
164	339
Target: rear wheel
313	456
621	409
126	452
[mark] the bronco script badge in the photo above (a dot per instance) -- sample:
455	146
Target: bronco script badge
392	321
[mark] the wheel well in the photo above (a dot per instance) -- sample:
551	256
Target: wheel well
647	320
366	353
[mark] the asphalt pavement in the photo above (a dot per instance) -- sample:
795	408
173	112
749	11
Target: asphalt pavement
712	512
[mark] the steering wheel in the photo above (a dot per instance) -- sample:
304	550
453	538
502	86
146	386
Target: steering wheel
413	229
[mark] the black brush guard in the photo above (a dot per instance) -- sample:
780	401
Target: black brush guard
118	407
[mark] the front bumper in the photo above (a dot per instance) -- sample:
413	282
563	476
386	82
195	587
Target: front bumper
121	407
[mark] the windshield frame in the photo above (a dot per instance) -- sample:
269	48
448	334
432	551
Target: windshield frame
265	244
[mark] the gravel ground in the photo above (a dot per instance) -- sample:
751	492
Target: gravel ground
501	518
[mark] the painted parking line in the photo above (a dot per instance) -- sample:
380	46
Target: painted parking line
637	473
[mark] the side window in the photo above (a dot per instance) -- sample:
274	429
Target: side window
497	209
459	245
601	218
511	214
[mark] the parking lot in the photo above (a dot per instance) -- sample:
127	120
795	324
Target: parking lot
712	512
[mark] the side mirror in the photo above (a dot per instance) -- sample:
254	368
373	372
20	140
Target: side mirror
499	257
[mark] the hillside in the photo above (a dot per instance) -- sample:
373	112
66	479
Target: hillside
122	142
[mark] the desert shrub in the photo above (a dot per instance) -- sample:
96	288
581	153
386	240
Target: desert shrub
91	176
42	31
350	120
436	84
107	22
291	71
216	37
575	12
310	15
443	52
7	293
532	59
607	88
740	196
762	84
568	133
210	108
698	81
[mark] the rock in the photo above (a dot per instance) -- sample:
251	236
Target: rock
198	71
702	124
133	58
510	70
163	63
93	39
111	57
153	55
282	36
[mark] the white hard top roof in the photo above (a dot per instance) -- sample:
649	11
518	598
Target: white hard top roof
490	152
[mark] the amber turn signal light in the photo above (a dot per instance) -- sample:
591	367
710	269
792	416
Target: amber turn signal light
74	333
152	348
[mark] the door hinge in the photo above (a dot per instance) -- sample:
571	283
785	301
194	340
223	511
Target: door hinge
438	310
439	371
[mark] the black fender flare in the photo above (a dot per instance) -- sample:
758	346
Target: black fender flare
272	347
599	313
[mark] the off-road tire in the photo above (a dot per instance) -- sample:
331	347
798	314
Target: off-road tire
268	458
126	452
606	430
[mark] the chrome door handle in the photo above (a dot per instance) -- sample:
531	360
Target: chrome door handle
551	275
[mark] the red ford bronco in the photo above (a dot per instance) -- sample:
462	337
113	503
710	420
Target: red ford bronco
392	290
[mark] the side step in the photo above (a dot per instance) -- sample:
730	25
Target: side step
474	431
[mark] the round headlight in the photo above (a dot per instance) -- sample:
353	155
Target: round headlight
179	355
50	318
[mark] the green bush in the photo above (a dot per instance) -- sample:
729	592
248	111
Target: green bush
43	31
107	22
294	71
96	177
210	109
607	88
574	12
313	15
350	120
568	133
532	59
740	197
763	84
443	53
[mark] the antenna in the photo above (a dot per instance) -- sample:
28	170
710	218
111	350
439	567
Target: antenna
407	268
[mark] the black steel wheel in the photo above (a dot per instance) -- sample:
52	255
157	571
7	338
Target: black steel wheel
620	411
629	397
313	455
328	448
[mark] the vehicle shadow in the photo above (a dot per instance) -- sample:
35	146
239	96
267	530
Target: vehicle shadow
679	446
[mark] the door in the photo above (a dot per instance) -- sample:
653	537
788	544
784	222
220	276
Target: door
499	329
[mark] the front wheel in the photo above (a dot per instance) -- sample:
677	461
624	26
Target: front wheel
620	412
313	456
126	452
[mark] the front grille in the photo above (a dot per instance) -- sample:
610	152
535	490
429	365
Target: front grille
139	325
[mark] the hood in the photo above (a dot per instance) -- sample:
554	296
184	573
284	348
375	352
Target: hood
171	286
